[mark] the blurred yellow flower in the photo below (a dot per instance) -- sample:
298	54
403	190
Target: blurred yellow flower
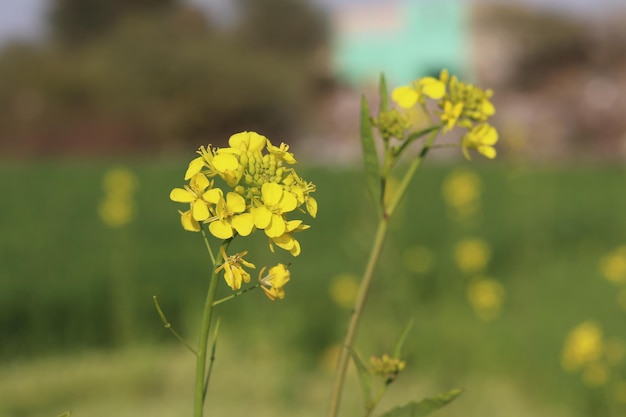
583	345
418	259
343	290
387	367
461	191
596	374
613	266
481	137
472	255
118	207
486	297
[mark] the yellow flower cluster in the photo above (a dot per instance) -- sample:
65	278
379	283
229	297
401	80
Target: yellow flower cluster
387	367
460	104
262	189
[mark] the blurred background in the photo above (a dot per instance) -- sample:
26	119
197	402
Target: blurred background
514	270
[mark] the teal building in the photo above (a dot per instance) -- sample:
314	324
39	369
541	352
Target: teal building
405	39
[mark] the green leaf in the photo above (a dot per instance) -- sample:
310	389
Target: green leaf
382	91
66	414
365	377
397	349
370	156
425	407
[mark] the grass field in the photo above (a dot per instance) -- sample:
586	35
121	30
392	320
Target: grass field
77	317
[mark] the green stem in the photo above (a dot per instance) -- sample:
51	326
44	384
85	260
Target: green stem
406	180
376	400
344	356
203	342
168	326
237	294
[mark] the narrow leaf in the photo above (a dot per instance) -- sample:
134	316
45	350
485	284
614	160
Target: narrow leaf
397	349
382	91
365	377
370	157
425	407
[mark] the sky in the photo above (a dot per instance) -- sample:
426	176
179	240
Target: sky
21	19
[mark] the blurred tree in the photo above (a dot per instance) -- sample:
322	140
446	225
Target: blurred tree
76	21
284	26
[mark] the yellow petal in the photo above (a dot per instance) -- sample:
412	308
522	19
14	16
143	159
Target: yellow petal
243	223
199	182
432	87
285	241
490	136
225	162
180	195
200	210
405	96
221	229
488	151
311	206
235	203
276	227
487	108
213	195
188	222
288	202
295	251
262	216
271	193
257	142
293	225
194	167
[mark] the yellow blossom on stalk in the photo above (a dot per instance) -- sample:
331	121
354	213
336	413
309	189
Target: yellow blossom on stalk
451	113
272	283
461	191
234	274
286	241
387	367
481	137
229	215
270	215
195	195
584	345
409	95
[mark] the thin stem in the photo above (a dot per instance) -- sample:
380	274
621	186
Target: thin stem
237	294
342	364
376	400
168	326
211	359
203	342
406	180
208	245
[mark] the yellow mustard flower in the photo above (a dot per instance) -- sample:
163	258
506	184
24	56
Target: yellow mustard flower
116	212
276	203
286	241
486	297
229	215
188	222
272	283
481	137
584	345
451	113
408	96
234	274
195	194
281	152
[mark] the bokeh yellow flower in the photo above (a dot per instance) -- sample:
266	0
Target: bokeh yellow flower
462	191
583	345
481	137
486	297
418	259
472	255
343	290
118	207
613	266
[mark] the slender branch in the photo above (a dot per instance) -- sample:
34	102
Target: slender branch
237	294
342	364
204	335
168	326
208	245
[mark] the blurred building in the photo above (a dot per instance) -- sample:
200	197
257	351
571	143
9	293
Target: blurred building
404	39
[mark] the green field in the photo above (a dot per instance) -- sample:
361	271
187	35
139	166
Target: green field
79	330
